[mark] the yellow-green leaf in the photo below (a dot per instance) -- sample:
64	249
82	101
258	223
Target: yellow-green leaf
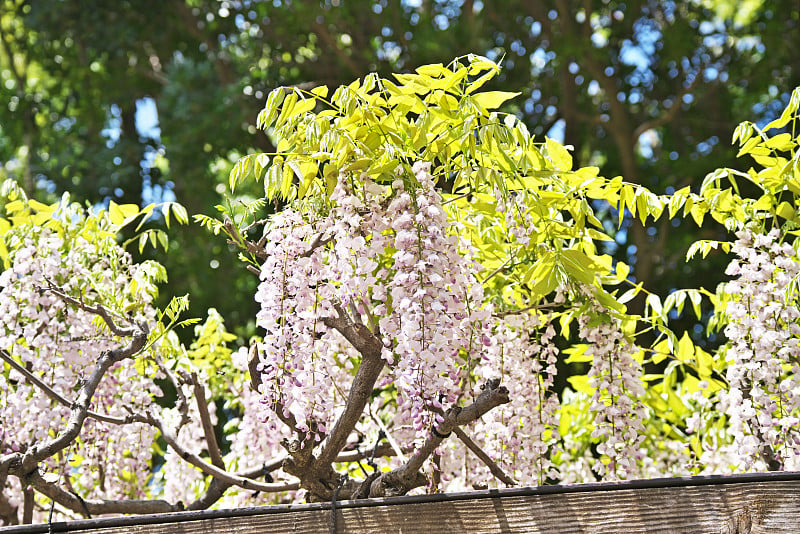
493	99
559	155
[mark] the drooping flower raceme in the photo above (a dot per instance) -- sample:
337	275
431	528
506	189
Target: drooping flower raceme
522	435
435	323
616	378
300	285
763	398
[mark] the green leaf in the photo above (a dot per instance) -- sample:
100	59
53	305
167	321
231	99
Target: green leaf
260	165
480	82
386	167
630	294
163	240
655	303
270	111
698	214
558	154
119	215
286	108
304	106
577	354
580	383
580	266
744	131
787	211
781	141
493	99
320	91
543	274
696	298
433	71
685	349
240	171
787	114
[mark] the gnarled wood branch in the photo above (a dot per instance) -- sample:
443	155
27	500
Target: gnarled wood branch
81	506
233	479
401	480
316	473
480	453
205	420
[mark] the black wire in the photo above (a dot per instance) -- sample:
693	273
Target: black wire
50	517
342	480
83	504
381	436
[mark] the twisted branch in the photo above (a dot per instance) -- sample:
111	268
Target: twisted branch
98	310
401	480
205	420
216	472
480	453
75	503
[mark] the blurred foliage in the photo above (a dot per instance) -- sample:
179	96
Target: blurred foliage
649	90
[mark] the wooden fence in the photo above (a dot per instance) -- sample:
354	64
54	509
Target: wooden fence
738	504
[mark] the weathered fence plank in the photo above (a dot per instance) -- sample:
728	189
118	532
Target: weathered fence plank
747	506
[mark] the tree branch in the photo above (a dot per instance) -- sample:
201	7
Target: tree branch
315	473
493	467
237	239
213	469
518	311
98	310
209	469
73	502
497	271
80	407
319	241
392	442
257	249
181	400
401	480
27	505
205	420
8	513
55	396
370	347
217	487
255	381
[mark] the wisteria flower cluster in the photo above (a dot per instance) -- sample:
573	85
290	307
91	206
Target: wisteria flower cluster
59	344
300	282
435	323
389	360
524	434
391	260
763	398
616	378
516	213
